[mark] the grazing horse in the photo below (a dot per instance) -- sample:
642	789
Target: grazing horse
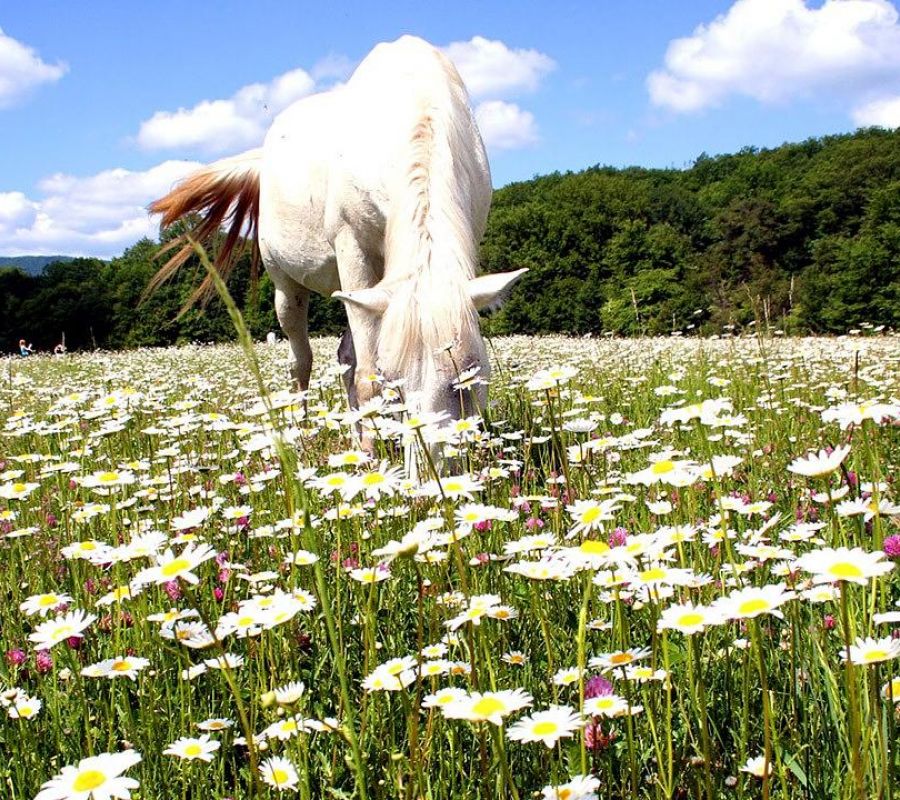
376	192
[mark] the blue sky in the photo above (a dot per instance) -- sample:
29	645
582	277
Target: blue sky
104	104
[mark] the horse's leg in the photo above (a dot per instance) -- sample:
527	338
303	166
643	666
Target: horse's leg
357	271
292	309
346	357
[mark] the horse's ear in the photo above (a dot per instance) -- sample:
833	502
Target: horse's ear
374	300
489	291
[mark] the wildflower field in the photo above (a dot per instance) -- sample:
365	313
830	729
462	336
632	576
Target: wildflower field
655	568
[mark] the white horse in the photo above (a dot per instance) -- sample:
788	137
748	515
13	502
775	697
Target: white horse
376	192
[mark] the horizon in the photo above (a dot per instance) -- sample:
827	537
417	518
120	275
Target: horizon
100	124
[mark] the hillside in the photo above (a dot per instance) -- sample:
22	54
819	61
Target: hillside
31	265
805	236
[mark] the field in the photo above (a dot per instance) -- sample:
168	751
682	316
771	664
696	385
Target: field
655	568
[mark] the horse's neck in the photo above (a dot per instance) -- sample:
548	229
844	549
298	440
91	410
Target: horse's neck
431	226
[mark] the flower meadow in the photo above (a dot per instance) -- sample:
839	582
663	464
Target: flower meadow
655	568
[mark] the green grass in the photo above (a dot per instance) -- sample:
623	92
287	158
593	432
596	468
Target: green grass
189	426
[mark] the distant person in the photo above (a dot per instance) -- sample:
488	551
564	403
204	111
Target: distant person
25	349
59	350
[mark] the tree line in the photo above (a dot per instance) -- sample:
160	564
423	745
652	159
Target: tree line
803	237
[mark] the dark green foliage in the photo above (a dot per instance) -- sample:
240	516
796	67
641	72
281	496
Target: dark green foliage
805	237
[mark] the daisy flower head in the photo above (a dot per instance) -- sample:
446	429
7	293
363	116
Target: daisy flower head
844	564
17	491
581	787
290	693
688	618
589	515
95	778
547	727
44	603
818	465
757	767
619	659
567	676
551	378
488	707
279	773
120	667
872	651
24	707
193	748
668	471
170	566
754	601
605	705
453	487
444	697
66	626
215	724
286	728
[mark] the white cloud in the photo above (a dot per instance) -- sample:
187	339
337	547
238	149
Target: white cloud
777	50
884	113
99	215
217	126
490	69
333	67
21	69
505	126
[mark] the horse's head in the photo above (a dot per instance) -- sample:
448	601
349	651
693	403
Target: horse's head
423	335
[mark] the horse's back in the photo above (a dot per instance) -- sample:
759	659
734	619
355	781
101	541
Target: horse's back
338	157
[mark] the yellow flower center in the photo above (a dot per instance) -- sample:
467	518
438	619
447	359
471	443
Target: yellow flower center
654	574
545	728
88	780
690	619
453	486
279	776
593	548
845	569
171	569
121	666
373	479
875	655
18	487
662	467
753	606
47	600
193	750
618	659
487	706
590	515
108	477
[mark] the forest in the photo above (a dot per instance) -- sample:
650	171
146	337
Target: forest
802	238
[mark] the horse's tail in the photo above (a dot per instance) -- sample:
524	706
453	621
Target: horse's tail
226	194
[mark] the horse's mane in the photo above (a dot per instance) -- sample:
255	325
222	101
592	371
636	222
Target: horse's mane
431	247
